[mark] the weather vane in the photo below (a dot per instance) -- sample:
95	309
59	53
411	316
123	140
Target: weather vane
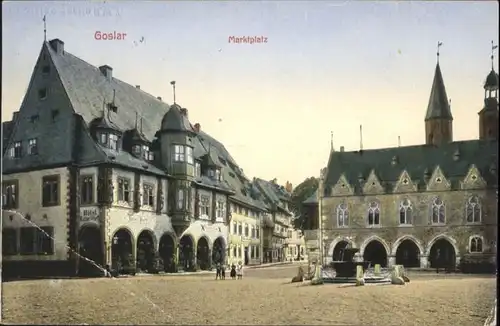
493	48
173	85
439	45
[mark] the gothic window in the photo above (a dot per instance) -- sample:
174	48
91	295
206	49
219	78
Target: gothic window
476	245
374	214
204	206
438	211
473	210
148	196
342	215
405	212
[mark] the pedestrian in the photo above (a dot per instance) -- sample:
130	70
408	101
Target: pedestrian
217	271
239	270
223	271
233	271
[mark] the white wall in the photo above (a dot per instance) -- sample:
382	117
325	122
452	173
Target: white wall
30	202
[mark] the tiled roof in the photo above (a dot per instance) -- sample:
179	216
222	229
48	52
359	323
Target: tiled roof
313	199
454	159
89	89
273	192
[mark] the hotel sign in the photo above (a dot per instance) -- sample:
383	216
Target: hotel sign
89	214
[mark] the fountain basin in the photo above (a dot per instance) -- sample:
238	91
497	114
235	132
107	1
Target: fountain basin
348	268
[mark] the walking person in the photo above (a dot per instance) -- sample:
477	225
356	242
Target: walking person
233	271
223	271
218	271
239	270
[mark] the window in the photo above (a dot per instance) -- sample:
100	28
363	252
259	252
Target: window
246	211
235	251
103	138
342	215
217	174
197	170
178	153
253	232
37	241
32	147
204	206
220	209
189	154
180	198
405	211
10	193
257	253
148	197
87	189
476	244
42	94
27	240
240	229
373	214
113	141
50	191
123	190
252	252
438	211
246	230
257	235
46	69
151	156
45	241
211	173
9	241
145	152
136	150
235	228
16	150
473	209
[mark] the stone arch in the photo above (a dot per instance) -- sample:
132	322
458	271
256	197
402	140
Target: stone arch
375	250
187	252
336	241
167	251
203	255
90	250
146	251
122	251
417	242
151	233
407	251
219	250
443	252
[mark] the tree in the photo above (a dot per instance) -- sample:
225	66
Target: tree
302	192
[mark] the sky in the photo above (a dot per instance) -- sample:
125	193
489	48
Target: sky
327	67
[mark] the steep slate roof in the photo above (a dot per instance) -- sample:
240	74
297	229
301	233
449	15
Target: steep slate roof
88	89
417	161
273	192
438	106
313	199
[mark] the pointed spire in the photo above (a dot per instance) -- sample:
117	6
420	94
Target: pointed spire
438	107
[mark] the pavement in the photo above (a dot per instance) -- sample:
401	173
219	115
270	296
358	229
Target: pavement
492	318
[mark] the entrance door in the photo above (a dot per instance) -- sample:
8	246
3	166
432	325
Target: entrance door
246	256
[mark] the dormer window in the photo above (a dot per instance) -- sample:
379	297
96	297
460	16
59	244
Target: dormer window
211	173
103	139
151	156
145	152
113	141
218	174
136	150
197	169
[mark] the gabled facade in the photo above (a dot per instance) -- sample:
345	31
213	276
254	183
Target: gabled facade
95	169
432	205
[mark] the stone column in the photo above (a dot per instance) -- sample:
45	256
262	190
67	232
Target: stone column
424	261
391	261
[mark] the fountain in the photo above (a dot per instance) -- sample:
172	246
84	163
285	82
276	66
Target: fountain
345	270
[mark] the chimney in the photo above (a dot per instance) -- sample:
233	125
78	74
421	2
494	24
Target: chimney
289	187
107	71
159	98
197	127
341	148
57	45
15	115
184	112
138	86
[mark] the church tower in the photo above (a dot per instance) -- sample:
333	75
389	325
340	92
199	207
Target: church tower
438	119
488	116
